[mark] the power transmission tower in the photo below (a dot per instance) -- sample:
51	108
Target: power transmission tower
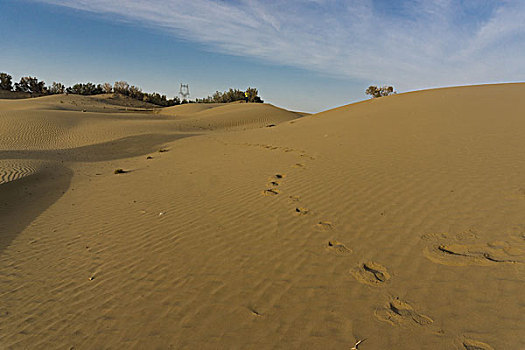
184	91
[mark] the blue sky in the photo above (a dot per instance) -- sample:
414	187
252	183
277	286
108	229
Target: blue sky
307	55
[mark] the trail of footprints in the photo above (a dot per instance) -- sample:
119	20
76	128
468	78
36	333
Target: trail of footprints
370	273
273	184
464	249
396	311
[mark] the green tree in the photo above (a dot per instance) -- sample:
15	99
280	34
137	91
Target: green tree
107	88
85	89
56	88
136	92
31	85
121	87
232	95
6	82
253	95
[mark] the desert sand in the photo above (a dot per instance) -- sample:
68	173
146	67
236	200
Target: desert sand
398	222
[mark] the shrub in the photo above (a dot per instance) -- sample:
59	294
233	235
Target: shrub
253	95
5	82
376	92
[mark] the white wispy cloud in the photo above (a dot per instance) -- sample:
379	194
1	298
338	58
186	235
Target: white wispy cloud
412	44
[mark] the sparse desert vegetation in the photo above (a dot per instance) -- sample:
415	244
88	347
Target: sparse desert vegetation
375	92
32	87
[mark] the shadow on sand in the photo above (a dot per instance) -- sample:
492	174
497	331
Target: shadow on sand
126	147
23	200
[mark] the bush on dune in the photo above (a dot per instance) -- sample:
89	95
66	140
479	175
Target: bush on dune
253	95
382	91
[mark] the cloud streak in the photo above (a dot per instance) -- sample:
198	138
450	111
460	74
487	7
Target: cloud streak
412	44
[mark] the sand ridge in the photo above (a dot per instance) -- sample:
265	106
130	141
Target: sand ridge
365	222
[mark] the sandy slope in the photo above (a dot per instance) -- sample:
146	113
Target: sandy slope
399	220
98	103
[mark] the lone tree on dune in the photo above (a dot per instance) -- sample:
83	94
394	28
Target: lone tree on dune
382	91
5	82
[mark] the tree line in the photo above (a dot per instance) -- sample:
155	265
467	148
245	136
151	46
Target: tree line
35	87
232	95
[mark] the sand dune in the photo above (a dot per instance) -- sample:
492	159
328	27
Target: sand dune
397	220
106	103
186	110
231	115
43	124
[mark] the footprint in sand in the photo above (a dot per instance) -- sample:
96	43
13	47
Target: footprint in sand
464	250
371	273
469	254
271	192
470	344
301	211
324	225
294	198
337	248
272	184
401	313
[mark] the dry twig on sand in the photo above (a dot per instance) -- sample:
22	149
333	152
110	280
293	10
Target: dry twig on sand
357	344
